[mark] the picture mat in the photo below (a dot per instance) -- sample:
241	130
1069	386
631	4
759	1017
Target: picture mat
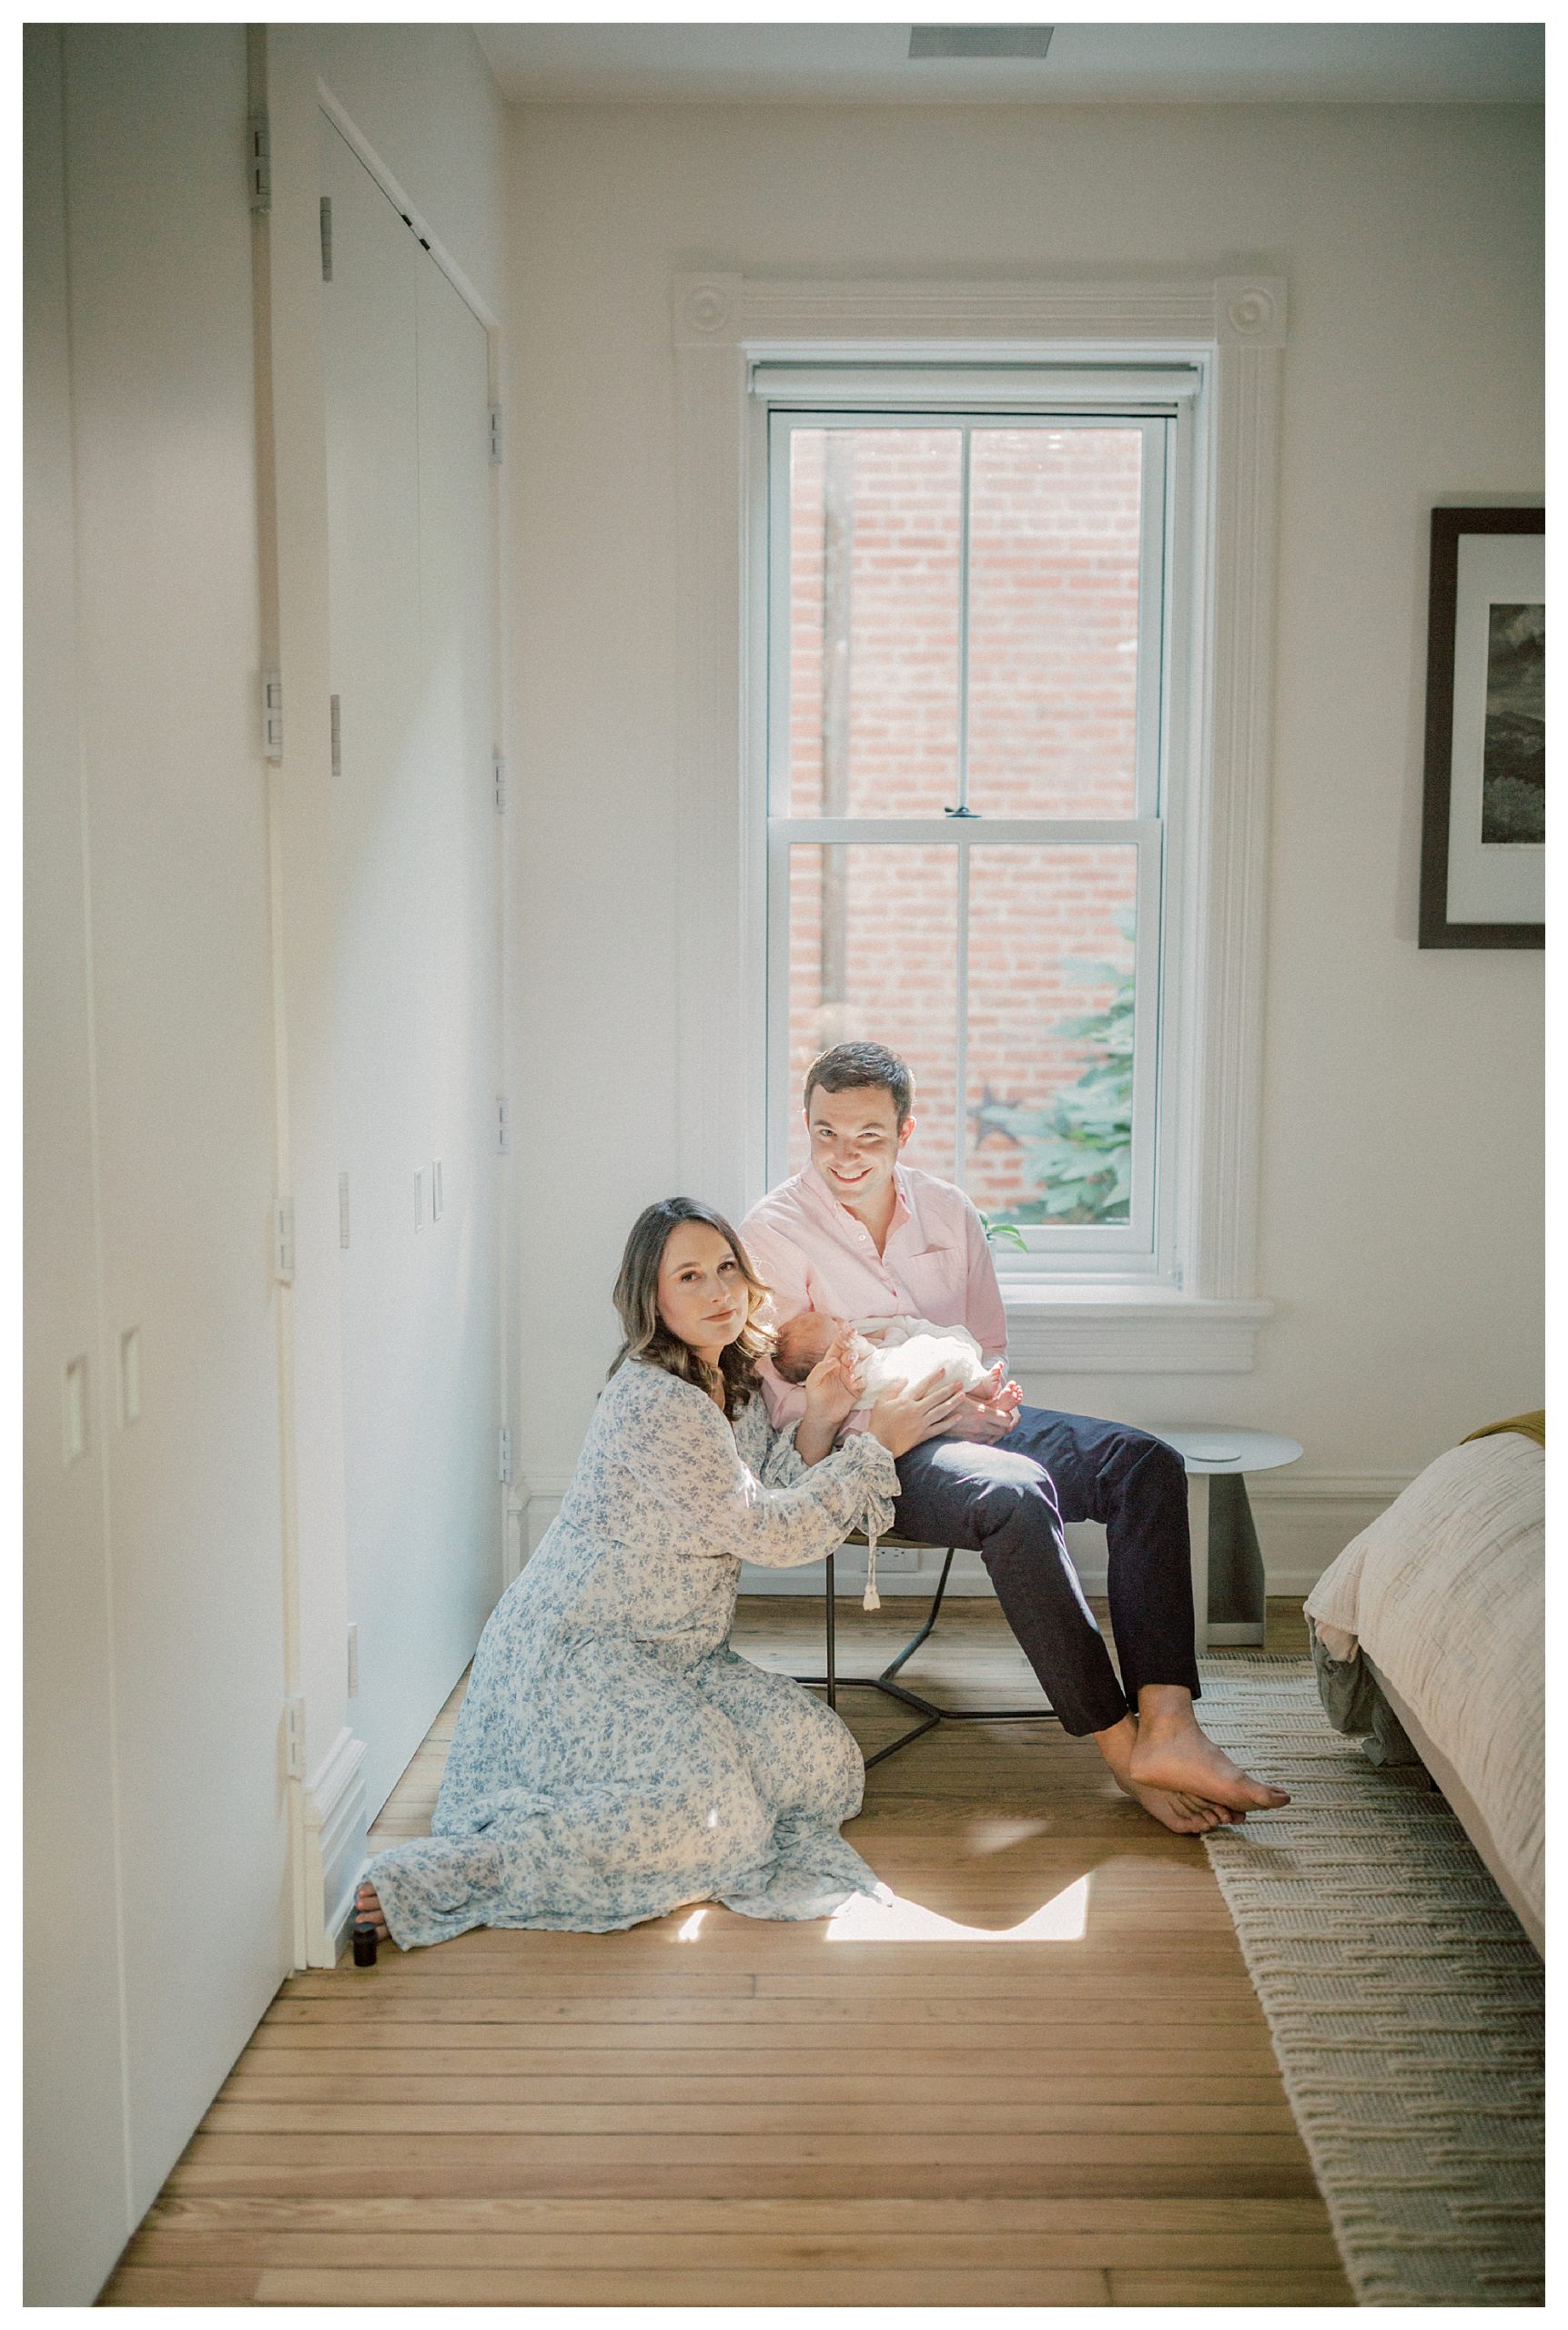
1487	881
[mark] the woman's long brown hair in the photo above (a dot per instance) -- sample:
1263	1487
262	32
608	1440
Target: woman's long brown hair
637	1302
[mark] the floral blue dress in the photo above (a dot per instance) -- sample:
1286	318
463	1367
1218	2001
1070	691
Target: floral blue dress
614	1757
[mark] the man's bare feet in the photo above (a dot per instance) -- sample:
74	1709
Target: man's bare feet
368	1910
1170	1752
1189	1815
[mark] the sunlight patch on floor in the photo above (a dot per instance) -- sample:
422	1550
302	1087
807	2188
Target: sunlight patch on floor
692	1927
1001	1835
892	1918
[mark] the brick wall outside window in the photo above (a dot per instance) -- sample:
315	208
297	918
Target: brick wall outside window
873	730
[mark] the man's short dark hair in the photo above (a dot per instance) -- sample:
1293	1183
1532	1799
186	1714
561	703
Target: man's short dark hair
844	1066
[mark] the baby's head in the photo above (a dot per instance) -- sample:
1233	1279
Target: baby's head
801	1341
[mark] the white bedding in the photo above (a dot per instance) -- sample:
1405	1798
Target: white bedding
1444	1593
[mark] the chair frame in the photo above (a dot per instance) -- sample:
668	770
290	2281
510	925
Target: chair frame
930	1713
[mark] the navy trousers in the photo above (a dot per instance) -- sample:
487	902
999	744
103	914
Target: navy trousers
1008	1501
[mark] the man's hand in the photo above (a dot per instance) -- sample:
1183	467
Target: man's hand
989	1411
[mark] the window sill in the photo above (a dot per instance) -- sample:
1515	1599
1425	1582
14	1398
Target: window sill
1080	1328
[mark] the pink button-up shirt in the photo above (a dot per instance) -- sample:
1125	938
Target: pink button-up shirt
816	1256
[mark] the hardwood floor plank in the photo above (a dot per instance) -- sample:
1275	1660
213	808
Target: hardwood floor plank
839	2218
732	2252
897	2148
342	2077
1095	2248
586	2285
431	2175
614	2120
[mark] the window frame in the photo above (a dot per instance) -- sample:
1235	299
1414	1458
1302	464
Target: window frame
723	326
1143	1249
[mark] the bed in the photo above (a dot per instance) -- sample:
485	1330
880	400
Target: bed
1428	1637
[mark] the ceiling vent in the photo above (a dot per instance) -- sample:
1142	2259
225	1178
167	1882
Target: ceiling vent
979	40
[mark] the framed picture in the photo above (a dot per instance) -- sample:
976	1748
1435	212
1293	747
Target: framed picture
1484	829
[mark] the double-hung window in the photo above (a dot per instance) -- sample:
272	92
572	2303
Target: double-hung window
975	712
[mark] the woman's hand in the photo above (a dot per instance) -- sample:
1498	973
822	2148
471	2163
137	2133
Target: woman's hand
832	1388
904	1417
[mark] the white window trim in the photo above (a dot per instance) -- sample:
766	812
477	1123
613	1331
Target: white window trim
1234	327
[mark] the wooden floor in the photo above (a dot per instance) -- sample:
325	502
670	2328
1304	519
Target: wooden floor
709	2110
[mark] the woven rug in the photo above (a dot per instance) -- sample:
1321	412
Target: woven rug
1404	1998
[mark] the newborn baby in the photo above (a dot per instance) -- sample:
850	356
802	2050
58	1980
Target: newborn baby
906	1350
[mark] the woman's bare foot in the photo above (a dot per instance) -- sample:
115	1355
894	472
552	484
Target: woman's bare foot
1180	1809
1170	1752
368	1911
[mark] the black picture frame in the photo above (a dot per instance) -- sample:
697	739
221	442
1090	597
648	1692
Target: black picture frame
1447	527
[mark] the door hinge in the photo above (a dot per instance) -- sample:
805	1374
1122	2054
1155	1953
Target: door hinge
325	239
342	1209
498	762
503	1462
294	1738
258	158
495	436
502	1127
283	1242
336	711
272	716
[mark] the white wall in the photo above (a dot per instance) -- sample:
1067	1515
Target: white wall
1402	1179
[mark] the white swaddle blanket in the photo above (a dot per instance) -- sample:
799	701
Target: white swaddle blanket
909	1350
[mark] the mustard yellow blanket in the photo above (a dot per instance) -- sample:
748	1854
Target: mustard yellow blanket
1532	1424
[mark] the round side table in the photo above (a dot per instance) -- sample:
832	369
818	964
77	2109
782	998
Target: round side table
1228	1602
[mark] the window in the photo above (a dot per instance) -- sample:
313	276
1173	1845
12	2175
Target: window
1197	364
970	778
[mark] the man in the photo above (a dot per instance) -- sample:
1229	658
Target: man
861	1234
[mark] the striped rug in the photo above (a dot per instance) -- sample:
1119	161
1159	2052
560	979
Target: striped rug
1405	2001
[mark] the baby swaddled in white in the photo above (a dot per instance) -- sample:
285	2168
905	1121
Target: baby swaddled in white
905	1351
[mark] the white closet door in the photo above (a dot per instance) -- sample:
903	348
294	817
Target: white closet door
74	2138
417	965
174	791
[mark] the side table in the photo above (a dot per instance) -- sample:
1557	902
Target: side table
1228	1602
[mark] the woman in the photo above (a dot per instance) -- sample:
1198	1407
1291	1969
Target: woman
613	1758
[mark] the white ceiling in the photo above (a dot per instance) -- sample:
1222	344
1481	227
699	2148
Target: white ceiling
541	64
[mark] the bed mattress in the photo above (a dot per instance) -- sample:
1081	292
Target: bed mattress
1443	1597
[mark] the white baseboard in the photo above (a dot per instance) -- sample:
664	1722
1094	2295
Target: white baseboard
1303	1520
337	1823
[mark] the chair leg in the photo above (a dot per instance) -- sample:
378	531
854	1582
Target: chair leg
913	1645
954	1715
930	1713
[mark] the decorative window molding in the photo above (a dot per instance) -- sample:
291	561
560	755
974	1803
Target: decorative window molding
1235	326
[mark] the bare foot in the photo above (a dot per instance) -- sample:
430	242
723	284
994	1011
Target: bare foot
1171	1753
368	1911
1189	1815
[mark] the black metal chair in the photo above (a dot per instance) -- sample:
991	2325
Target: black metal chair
930	1713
